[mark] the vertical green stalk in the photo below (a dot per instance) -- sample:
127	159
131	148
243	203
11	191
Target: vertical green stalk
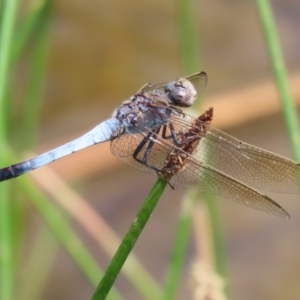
190	59
36	74
190	62
27	27
280	75
128	243
178	254
34	28
217	236
6	36
188	36
6	253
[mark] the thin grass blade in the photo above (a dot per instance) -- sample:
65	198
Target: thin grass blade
280	74
9	11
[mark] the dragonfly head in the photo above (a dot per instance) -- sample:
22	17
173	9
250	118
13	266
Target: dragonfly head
181	92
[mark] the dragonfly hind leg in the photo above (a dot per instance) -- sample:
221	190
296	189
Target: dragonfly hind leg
151	137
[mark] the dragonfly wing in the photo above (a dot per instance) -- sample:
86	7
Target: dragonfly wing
194	173
199	81
146	87
208	180
252	165
107	130
124	147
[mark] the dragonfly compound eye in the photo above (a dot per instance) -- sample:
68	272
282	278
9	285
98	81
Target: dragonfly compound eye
181	92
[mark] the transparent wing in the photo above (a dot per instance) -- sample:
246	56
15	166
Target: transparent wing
195	174
124	147
199	80
249	164
208	180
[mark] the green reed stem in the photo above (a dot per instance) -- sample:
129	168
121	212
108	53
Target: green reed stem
36	74
9	9
280	74
128	243
179	249
187	26
190	58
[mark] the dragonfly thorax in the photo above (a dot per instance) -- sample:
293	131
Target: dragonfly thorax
143	111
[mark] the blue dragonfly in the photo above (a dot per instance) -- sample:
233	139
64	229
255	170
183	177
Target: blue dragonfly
150	132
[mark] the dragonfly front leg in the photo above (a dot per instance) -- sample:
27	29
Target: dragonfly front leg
173	135
151	138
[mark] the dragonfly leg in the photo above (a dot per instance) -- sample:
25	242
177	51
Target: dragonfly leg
159	173
151	137
173	135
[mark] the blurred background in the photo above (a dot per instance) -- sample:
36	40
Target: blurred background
102	52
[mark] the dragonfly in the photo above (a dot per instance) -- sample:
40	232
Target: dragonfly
150	132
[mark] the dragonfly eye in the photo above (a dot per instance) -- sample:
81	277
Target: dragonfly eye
181	92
